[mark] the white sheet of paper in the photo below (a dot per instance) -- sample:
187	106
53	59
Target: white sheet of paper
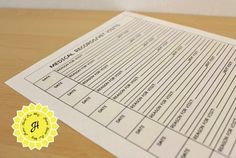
142	87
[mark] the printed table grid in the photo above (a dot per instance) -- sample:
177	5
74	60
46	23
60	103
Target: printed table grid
195	45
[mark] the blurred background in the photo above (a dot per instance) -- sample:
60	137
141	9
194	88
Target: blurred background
195	7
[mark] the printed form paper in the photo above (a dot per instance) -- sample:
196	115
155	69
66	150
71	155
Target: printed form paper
142	87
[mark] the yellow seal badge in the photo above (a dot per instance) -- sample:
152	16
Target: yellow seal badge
35	126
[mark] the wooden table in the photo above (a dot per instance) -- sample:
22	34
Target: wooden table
27	36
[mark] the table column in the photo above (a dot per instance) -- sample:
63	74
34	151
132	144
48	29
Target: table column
168	144
106	112
75	94
47	81
125	122
192	149
55	84
145	133
90	103
63	88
